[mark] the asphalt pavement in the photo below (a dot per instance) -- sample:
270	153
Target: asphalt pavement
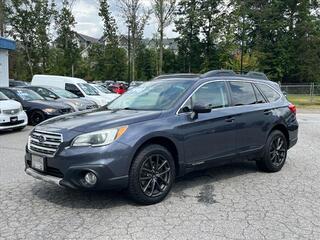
230	202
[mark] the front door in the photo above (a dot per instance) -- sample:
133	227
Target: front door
210	136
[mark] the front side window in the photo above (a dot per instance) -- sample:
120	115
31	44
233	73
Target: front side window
269	92
45	93
73	89
88	89
242	93
211	95
153	95
63	93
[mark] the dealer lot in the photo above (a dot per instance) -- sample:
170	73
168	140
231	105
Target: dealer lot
230	202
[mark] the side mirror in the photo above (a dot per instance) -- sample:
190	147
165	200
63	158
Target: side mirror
199	109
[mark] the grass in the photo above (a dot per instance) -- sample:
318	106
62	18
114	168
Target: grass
304	101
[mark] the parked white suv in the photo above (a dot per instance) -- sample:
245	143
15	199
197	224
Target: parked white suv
12	115
77	86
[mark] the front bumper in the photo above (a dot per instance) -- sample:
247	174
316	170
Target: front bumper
68	167
43	177
6	124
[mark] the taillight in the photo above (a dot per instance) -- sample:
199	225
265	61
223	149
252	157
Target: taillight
292	108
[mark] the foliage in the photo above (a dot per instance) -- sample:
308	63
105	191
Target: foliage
66	40
280	38
30	21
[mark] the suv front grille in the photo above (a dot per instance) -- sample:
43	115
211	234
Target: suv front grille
11	111
44	143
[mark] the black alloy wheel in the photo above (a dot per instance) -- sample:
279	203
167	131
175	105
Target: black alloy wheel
278	151
154	175
151	175
275	153
36	117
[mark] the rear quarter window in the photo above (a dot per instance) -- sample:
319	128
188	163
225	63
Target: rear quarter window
269	92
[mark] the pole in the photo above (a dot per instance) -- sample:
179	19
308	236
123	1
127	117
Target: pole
129	55
242	46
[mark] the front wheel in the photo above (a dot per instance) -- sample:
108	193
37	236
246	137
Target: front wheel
151	175
275	153
36	117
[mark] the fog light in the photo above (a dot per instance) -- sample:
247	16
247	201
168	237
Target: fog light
90	178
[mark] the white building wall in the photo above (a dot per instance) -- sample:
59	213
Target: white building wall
4	68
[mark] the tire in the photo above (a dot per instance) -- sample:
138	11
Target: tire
151	175
36	117
275	153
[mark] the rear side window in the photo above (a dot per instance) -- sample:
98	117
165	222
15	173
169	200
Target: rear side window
74	89
242	93
269	92
259	96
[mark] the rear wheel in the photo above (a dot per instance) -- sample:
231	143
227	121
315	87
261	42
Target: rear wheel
151	175
36	117
275	153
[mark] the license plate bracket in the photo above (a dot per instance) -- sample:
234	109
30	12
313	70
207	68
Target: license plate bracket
38	163
13	119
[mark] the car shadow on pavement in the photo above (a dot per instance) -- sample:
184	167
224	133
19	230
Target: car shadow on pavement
109	199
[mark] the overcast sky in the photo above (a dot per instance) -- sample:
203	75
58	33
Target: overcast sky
89	22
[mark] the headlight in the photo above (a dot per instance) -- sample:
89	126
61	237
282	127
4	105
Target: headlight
49	110
99	138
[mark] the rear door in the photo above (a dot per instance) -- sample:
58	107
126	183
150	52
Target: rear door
252	116
211	136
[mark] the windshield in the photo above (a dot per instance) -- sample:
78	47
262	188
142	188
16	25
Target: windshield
89	90
102	89
3	97
63	93
154	95
28	95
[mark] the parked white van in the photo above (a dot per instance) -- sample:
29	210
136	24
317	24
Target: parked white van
75	85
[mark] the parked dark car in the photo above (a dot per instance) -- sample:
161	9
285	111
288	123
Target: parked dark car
37	108
162	129
64	97
17	83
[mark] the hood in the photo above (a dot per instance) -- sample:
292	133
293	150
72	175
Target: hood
50	104
101	101
9	105
77	104
90	121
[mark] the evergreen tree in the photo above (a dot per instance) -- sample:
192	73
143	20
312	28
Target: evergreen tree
109	24
66	40
188	26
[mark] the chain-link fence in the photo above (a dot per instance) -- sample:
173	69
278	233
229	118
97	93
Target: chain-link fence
302	94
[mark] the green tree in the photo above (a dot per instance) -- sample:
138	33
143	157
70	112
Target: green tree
66	40
146	63
30	21
210	24
109	23
188	26
164	13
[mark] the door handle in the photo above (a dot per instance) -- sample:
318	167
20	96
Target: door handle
230	119
267	112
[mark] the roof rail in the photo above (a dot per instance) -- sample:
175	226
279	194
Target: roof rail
257	75
218	73
177	75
